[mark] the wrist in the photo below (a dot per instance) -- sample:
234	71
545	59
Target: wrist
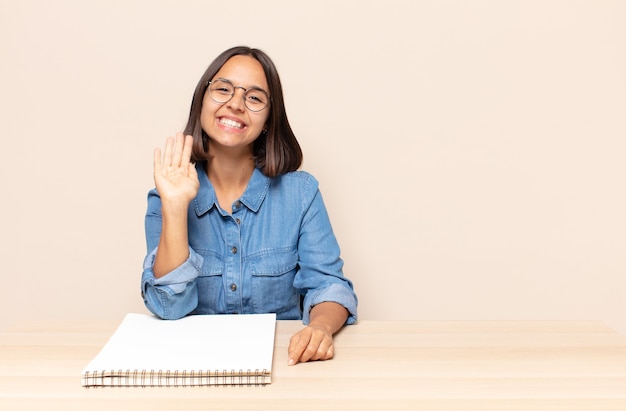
322	325
174	206
329	316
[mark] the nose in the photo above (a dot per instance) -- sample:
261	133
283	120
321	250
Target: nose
236	101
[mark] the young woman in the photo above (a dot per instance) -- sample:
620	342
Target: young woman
232	226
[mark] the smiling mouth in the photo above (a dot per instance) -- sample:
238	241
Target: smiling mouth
230	123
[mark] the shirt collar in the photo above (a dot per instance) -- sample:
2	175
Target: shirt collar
252	197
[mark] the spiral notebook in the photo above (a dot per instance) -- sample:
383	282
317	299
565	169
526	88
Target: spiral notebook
192	351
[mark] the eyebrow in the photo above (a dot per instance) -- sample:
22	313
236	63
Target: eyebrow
253	87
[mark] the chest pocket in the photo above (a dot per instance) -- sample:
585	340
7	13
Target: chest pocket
209	282
273	274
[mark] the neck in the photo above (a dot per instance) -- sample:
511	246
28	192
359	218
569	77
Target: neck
230	174
230	166
229	179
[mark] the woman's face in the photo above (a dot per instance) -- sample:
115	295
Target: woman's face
232	125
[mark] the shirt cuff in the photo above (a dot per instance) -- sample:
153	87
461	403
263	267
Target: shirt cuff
176	280
334	293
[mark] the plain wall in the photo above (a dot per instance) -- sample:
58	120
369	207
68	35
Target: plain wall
470	153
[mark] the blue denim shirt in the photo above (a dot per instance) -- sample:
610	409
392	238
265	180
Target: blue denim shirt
276	246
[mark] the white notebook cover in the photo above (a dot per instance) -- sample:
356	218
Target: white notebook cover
195	344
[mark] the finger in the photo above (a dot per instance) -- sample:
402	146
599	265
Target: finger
325	351
178	150
331	352
311	350
187	149
297	345
295	349
167	157
191	170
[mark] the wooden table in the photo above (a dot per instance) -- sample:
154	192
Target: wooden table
379	365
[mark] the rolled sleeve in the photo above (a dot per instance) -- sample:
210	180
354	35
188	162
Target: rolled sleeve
320	278
336	293
175	294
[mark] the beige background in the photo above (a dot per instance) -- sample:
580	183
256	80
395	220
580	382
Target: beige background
471	153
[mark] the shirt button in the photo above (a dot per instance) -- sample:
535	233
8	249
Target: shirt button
234	250
233	287
237	204
238	221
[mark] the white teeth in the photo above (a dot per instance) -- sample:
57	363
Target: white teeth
230	123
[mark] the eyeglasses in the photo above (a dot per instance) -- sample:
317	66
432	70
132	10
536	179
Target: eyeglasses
222	90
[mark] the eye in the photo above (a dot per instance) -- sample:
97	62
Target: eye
222	87
256	97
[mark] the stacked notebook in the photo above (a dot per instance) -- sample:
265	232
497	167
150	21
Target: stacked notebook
192	351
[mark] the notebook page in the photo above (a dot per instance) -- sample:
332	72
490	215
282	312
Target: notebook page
198	342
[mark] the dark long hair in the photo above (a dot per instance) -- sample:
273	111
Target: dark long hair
276	150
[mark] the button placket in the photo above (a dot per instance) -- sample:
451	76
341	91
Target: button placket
232	277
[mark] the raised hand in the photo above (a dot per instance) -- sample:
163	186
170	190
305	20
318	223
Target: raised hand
175	176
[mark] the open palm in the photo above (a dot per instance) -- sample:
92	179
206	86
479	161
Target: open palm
175	176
